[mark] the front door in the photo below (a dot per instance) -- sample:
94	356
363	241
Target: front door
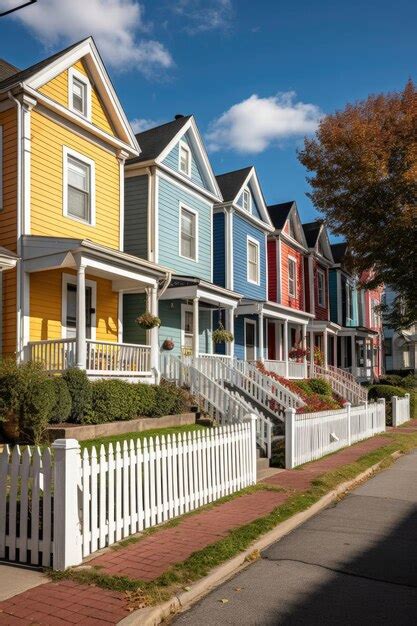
71	313
187	348
250	341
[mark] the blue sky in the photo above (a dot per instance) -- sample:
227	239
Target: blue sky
257	75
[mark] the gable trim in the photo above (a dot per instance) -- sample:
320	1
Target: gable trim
252	177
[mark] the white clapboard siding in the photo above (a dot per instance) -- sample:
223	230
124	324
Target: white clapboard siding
154	480
26	505
310	436
400	409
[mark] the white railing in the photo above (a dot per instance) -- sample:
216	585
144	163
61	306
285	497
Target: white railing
347	388
310	436
360	372
341	373
295	369
104	357
26	488
56	355
400	409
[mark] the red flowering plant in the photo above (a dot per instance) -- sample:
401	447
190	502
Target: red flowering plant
297	353
318	357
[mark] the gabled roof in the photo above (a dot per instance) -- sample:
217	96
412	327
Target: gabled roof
339	251
279	213
311	232
153	141
230	183
7	69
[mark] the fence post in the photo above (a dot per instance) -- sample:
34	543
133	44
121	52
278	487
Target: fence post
348	406
407	395
381	401
253	454
289	438
394	401
67	528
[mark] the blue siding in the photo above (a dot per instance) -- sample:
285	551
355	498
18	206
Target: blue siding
241	229
333	295
170	314
219	260
255	209
136	216
172	161
170	197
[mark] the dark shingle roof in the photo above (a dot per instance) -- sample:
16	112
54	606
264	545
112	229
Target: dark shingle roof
231	182
339	251
311	232
279	213
19	77
7	69
153	141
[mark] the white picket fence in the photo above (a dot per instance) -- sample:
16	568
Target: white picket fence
310	436
400	409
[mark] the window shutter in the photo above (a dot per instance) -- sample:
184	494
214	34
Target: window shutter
1	168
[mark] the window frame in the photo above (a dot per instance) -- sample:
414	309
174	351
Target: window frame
1	168
349	307
70	279
256	243
293	260
321	303
188	209
246	193
184	146
388	346
68	152
74	73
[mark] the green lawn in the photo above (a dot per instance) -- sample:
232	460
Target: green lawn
89	443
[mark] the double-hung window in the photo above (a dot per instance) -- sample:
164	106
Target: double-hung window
292	277
78	187
79	90
246	200
1	168
321	288
253	261
188	234
185	159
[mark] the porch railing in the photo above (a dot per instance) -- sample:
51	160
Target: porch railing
295	369
347	388
56	355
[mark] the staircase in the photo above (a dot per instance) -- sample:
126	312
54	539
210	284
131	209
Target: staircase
342	382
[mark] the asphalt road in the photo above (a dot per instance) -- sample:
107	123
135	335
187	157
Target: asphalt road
353	563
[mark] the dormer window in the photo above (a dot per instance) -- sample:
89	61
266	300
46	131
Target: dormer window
246	200
185	159
79	93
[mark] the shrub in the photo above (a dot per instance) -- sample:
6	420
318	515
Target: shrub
385	391
169	400
80	391
37	399
145	399
320	386
112	400
392	379
9	389
61	409
303	386
413	403
409	381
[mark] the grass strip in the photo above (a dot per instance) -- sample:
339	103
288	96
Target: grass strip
200	563
155	432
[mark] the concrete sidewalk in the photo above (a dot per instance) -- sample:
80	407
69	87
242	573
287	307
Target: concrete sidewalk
15	579
70	602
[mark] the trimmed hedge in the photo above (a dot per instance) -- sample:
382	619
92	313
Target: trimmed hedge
80	390
320	386
61	409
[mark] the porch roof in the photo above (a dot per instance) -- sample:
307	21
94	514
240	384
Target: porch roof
125	270
273	310
189	287
8	259
322	325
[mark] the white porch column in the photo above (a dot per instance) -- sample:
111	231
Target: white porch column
311	347
80	340
285	355
353	351
196	328
154	332
343	352
261	336
230	326
335	350
325	348
304	344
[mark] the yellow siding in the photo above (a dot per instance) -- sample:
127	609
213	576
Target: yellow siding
57	89
45	314
8	225
48	139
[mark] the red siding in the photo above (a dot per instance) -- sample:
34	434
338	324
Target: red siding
296	302
307	284
272	270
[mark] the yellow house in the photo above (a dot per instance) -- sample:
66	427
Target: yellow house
64	139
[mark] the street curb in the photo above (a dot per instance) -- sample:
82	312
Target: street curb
154	615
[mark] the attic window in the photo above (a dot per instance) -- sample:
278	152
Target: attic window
185	159
246	200
291	228
79	90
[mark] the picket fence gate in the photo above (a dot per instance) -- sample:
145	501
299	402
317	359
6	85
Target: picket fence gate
400	409
58	506
310	436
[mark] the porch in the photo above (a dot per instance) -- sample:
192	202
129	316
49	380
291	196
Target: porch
358	353
72	314
323	337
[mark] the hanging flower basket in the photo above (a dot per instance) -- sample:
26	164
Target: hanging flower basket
297	353
221	335
148	321
168	344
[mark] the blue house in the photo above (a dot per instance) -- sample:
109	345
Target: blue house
170	192
241	224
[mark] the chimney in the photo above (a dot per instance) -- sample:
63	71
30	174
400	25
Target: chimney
178	116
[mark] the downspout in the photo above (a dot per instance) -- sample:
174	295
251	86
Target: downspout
19	195
165	284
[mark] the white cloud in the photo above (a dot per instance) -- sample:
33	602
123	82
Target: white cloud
204	15
114	24
141	124
254	124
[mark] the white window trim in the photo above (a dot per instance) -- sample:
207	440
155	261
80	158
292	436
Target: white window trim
1	168
184	308
323	302
247	191
74	73
294	260
68	152
70	279
258	247
183	144
190	210
253	322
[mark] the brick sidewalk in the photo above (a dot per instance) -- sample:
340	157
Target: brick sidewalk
67	602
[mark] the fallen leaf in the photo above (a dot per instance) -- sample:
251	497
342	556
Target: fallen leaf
186	588
224	601
253	556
